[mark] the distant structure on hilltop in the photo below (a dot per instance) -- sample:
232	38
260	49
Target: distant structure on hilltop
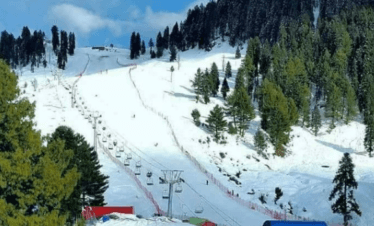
98	47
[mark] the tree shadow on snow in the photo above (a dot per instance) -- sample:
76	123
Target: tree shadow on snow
336	147
191	97
188	89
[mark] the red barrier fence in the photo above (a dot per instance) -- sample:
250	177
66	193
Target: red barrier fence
99	211
134	177
271	213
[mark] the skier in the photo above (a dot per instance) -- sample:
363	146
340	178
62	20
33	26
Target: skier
206	182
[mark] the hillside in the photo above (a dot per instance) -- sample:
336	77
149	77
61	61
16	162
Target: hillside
301	175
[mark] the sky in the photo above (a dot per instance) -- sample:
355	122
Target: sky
95	22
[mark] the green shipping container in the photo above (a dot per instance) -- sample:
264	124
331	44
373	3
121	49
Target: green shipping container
197	221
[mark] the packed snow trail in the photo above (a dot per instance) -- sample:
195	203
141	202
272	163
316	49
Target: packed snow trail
188	166
118	193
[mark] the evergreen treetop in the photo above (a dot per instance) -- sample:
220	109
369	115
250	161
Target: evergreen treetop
216	122
345	182
31	174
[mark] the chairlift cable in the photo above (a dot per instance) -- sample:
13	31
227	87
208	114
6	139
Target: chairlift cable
210	204
137	149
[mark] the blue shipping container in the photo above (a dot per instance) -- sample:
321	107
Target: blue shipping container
294	223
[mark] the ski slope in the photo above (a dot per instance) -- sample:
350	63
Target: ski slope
150	95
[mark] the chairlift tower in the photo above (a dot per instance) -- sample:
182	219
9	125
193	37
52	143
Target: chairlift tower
95	115
171	177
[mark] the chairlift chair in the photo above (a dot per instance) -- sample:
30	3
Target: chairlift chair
118	154
98	131
165	194
115	142
149	181
110	146
104	139
126	162
137	171
90	121
129	156
178	189
199	209
85	116
121	148
138	164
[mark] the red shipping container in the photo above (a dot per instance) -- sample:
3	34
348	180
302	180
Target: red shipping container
99	211
208	223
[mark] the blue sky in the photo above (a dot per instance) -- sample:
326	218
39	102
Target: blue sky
95	22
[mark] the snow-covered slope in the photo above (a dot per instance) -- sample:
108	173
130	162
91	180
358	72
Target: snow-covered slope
150	95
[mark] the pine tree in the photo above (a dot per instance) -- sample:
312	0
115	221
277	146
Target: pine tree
206	86
31	174
239	80
265	58
228	73
351	111
333	105
214	75
150	44
245	109
166	38
55	39
59	60
216	122
197	83
278	115
316	120
368	114
237	54
92	184
174	39
132	46
225	88
196	117
143	48
159	45
173	53
260	143
137	45
71	43
64	48
153	54
345	182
